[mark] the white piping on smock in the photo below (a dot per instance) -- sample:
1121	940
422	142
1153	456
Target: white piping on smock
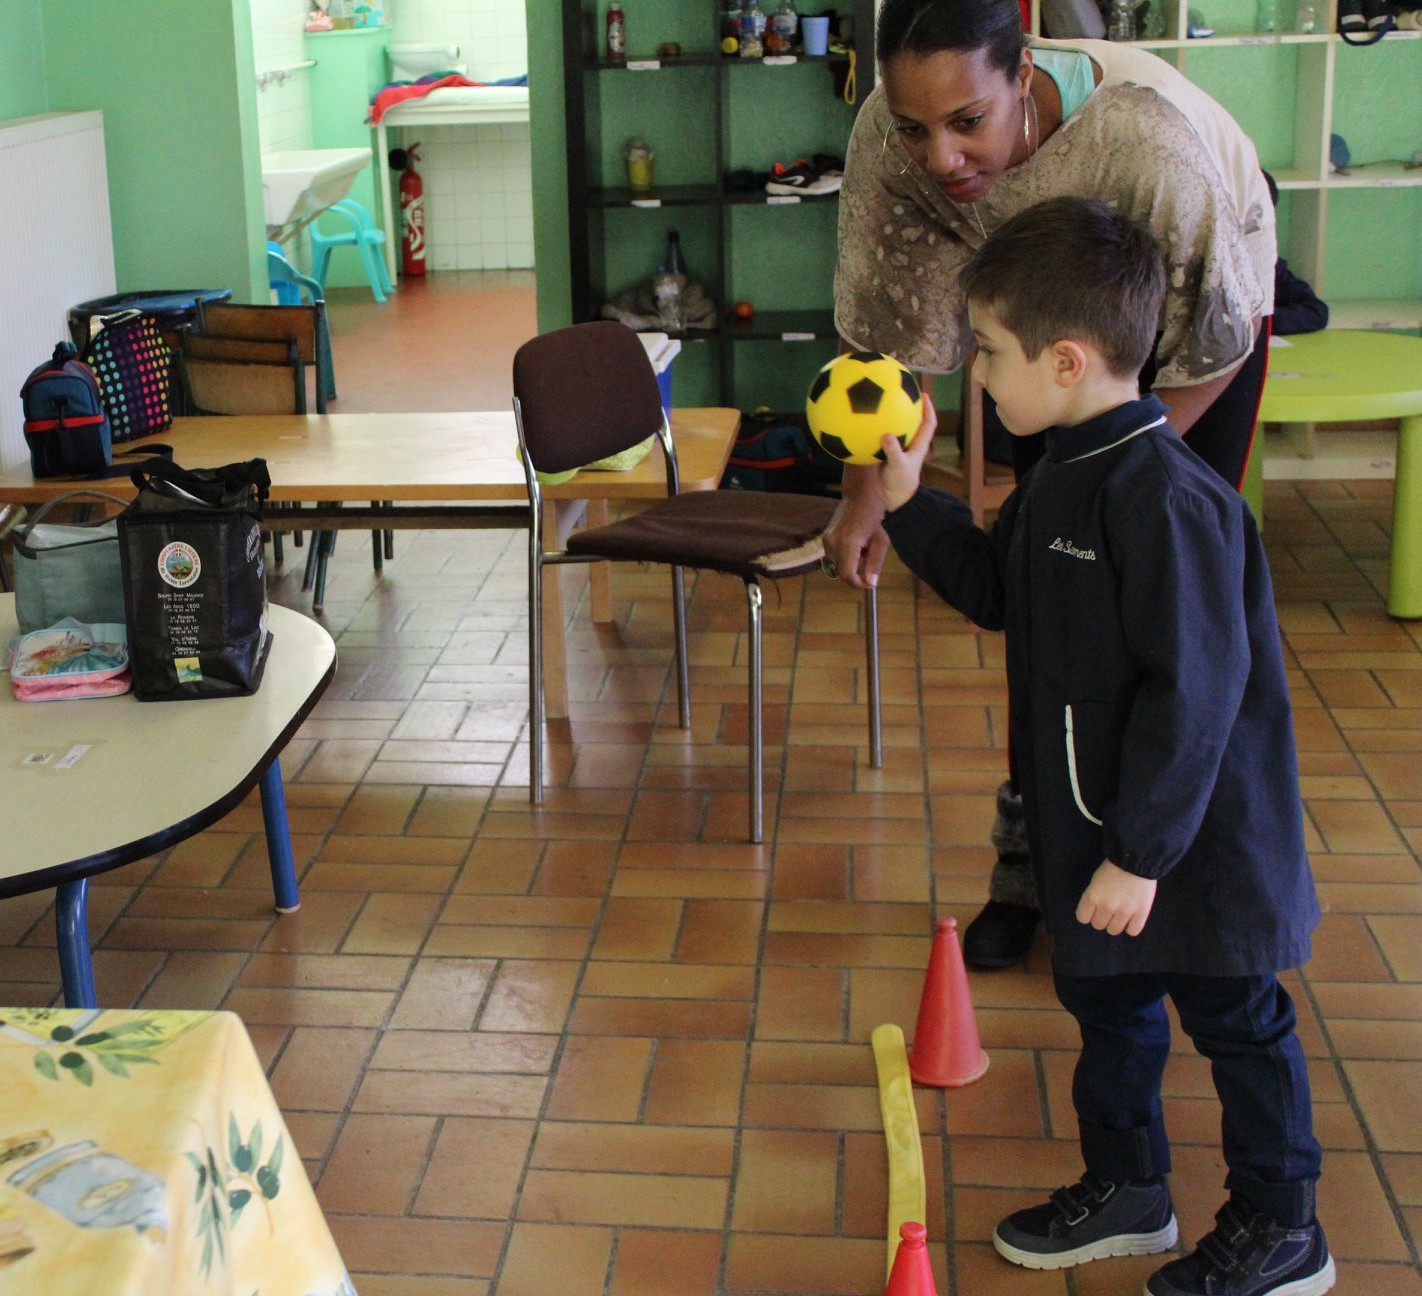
1071	760
1114	444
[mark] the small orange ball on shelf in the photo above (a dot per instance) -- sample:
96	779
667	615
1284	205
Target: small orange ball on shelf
743	309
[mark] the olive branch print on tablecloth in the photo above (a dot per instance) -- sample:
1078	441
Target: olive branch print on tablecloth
226	1190
115	1048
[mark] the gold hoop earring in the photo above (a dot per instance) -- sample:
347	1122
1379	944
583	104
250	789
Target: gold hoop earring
884	155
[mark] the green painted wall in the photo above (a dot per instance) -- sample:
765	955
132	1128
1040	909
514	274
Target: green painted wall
22	60
549	158
177	86
350	68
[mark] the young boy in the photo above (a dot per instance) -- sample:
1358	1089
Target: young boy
1149	720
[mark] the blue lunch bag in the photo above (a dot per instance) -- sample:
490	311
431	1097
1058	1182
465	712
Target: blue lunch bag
66	427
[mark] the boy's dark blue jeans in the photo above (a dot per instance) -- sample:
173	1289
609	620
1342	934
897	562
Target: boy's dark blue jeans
1245	1027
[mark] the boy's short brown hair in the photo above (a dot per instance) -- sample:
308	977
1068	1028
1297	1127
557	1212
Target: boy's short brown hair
1073	268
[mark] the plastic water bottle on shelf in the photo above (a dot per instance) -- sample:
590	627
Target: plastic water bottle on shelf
1152	25
752	30
1306	17
671	279
782	29
671	305
1122	24
1266	16
675	262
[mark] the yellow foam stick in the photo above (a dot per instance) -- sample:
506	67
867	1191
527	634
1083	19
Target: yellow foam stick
907	1191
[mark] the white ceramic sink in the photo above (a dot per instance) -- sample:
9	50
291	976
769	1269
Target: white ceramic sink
299	184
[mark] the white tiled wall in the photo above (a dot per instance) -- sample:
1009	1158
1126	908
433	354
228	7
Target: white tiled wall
478	197
478	179
283	106
492	35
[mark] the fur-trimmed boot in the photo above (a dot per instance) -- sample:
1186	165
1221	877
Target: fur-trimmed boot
1002	933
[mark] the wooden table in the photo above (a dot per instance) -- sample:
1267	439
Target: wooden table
1343	374
95	784
456	470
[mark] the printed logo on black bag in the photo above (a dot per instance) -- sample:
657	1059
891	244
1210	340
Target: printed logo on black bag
179	564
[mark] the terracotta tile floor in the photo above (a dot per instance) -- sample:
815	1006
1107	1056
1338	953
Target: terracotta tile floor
609	1049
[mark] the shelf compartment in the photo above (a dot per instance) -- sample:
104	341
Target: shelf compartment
1375	175
764	326
650	63
700	196
1376	313
781	326
662	196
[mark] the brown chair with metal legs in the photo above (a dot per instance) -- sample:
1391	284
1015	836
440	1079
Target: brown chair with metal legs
305	325
232	385
983	484
588	391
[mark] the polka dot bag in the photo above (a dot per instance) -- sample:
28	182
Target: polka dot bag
134	367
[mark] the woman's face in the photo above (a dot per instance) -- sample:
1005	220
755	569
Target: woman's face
959	117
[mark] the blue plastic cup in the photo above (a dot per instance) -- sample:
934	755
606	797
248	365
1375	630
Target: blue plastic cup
815	33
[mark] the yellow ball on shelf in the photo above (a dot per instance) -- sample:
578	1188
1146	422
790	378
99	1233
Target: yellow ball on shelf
858	399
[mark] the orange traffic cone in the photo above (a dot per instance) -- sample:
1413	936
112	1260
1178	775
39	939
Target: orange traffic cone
912	1274
946	1051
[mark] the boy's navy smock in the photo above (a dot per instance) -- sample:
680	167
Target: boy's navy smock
1149	710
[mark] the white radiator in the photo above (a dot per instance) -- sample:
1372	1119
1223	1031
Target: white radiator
56	246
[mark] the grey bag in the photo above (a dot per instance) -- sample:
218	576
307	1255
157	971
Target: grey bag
69	569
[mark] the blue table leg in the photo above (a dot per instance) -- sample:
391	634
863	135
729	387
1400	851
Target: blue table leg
71	920
279	840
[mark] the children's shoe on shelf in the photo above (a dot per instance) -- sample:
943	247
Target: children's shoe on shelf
826	164
1248	1254
1089	1220
1350	16
802	178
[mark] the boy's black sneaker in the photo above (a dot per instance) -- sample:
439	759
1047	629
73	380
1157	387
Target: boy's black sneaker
1090	1220
1248	1254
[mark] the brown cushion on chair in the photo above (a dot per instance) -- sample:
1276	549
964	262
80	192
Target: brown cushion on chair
743	533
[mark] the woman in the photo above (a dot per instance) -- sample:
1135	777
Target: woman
970	125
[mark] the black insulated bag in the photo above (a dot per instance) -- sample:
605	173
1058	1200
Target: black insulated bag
194	580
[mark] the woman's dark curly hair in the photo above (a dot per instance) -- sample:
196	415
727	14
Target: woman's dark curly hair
924	27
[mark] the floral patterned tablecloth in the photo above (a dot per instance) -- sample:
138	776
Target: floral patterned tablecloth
142	1153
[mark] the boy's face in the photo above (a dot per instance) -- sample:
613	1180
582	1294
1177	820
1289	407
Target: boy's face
1029	397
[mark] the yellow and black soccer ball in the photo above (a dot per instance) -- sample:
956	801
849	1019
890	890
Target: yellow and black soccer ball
858	399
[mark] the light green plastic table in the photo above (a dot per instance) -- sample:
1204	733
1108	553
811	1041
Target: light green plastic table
1343	374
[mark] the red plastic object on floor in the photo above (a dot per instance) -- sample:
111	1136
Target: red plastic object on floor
912	1274
412	218
946	1051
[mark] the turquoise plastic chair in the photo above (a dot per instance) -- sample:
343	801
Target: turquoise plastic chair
363	235
288	283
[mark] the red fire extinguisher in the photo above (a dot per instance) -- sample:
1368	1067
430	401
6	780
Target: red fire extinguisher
412	217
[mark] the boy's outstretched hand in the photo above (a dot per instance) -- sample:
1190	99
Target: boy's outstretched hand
903	464
1116	901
